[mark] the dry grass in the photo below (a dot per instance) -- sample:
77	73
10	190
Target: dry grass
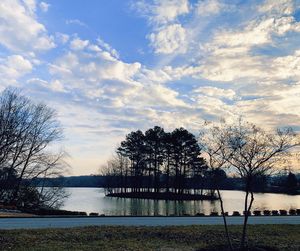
188	238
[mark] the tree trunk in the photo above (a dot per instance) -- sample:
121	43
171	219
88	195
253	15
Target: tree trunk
246	216
224	219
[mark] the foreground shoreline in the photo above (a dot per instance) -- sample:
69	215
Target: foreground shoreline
179	238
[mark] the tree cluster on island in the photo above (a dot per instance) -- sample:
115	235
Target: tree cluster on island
158	164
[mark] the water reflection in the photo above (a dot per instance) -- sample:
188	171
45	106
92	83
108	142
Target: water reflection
94	200
153	207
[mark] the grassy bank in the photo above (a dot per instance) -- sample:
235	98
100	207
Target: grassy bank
280	237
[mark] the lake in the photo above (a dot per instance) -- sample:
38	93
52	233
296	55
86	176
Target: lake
94	200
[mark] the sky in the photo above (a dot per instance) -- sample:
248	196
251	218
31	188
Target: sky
113	66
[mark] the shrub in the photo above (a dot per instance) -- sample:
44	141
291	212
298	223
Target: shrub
292	212
200	214
214	214
257	212
275	212
93	214
267	212
236	213
298	211
249	213
283	212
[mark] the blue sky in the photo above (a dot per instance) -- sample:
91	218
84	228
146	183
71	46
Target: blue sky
109	67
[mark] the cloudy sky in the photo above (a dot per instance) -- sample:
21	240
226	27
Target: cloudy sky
112	66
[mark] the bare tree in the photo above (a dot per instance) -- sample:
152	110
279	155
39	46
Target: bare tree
253	152
248	151
116	171
213	144
27	131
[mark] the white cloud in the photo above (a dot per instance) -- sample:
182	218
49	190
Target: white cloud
19	28
96	73
208	7
155	76
30	5
169	39
286	24
277	106
88	70
287	67
168	35
256	33
62	38
287	100
162	12
181	71
214	107
44	6
230	53
231	68
75	21
78	44
158	95
54	85
94	47
19	63
216	92
107	47
12	68
278	7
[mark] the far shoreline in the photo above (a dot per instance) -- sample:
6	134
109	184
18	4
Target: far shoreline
221	189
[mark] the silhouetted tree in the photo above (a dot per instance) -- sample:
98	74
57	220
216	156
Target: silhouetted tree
134	149
164	160
250	152
291	183
168	149
27	130
154	144
253	152
214	144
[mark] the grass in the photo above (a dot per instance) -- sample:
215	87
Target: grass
187	238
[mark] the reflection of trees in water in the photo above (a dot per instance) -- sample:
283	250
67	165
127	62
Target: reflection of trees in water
233	201
147	207
167	208
125	206
138	207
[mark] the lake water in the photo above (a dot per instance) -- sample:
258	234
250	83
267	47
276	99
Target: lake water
94	200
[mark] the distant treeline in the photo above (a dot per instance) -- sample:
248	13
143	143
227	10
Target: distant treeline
114	181
72	181
274	184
